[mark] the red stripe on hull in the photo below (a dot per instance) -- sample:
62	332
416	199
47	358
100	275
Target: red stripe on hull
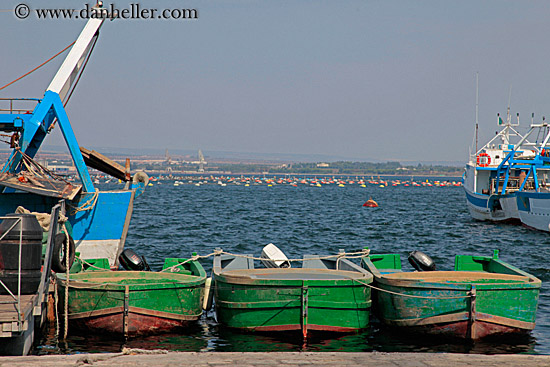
310	327
462	329
137	324
536	229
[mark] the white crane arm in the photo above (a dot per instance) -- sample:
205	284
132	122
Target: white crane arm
67	73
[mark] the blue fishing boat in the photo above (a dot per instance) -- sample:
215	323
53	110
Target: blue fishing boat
522	180
500	180
98	221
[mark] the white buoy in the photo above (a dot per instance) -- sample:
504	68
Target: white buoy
208	295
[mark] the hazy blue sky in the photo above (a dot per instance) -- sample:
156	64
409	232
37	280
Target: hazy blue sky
387	80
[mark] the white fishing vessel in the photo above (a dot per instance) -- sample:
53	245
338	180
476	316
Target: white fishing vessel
508	179
483	180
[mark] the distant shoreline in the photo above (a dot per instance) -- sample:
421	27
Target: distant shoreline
223	173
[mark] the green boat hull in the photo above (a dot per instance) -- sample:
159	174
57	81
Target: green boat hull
292	299
483	296
135	302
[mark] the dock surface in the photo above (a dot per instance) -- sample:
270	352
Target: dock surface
133	357
9	316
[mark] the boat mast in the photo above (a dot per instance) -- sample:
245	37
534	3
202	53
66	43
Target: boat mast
476	129
508	120
477	106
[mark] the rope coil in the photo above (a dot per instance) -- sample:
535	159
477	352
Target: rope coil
88	205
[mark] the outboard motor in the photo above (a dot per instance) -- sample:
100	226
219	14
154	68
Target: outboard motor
132	261
421	262
274	258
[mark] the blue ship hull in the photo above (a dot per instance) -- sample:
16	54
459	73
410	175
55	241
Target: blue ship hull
99	232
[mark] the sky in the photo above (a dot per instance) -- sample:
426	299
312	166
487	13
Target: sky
359	80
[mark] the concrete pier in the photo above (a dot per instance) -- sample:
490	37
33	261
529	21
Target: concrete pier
138	357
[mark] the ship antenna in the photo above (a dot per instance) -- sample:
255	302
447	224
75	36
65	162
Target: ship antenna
508	117
477	106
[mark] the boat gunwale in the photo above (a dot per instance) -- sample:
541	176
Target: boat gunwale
510	282
95	280
531	282
230	276
363	276
411	284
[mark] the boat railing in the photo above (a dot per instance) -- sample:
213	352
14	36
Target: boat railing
18	105
513	185
16	300
46	269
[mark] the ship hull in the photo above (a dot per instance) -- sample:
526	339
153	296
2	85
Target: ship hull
495	208
534	209
99	223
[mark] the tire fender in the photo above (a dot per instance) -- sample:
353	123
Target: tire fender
58	254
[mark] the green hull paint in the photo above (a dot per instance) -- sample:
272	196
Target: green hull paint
135	302
483	296
291	299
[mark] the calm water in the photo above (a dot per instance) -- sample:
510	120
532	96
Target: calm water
171	221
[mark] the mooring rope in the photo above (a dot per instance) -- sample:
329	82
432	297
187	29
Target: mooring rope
67	272
90	265
410	295
192	258
342	255
56	305
44	219
88	205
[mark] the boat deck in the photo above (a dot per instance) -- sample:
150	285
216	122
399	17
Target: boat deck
295	274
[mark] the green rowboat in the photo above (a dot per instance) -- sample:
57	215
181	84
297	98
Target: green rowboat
134	302
483	296
323	295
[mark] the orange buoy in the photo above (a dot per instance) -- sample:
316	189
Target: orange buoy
371	203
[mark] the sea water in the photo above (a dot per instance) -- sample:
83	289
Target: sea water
174	221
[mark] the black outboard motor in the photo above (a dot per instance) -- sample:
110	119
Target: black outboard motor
132	261
421	262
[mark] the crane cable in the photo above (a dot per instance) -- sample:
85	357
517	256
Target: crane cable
39	66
